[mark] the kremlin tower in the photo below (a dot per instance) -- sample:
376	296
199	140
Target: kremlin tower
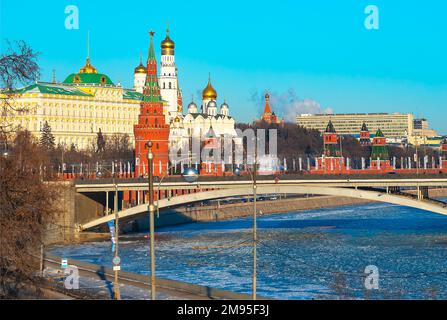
380	155
151	123
365	137
444	153
331	161
268	116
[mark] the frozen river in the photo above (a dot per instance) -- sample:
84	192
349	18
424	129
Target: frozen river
317	254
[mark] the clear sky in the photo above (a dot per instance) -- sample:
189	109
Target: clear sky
311	56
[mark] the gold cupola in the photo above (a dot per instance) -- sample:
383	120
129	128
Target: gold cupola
209	93
167	45
88	68
140	68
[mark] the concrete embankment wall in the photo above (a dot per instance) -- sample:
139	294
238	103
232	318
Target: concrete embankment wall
178	288
236	210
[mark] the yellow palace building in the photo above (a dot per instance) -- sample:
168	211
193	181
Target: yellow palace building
76	109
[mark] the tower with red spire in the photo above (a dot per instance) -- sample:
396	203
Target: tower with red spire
151	123
268	116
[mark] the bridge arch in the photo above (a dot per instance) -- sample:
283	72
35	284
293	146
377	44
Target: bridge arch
377	196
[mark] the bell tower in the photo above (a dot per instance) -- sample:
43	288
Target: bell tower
169	80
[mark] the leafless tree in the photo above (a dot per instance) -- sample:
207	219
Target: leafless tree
18	66
27	206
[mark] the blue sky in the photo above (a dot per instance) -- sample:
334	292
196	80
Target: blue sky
310	55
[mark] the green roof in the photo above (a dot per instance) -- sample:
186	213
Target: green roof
379	133
52	89
132	95
88	78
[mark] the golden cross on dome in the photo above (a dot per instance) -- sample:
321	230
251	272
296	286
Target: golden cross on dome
151	33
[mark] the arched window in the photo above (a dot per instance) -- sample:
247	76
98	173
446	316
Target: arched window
170	85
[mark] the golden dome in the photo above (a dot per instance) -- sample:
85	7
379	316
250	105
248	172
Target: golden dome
167	45
88	68
177	119
209	93
140	69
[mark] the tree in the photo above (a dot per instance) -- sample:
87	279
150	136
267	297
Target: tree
27	206
47	138
18	66
100	141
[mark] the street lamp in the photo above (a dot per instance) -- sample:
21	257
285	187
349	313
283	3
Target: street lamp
189	176
151	209
238	172
116	256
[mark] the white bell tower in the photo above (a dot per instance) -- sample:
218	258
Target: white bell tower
168	79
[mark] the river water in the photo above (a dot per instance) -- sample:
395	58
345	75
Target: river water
315	254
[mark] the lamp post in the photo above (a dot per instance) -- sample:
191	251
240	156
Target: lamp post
190	175
151	209
116	288
253	175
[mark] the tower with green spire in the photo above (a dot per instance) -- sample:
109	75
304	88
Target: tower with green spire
151	122
330	139
380	157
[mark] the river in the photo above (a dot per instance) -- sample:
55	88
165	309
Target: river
315	254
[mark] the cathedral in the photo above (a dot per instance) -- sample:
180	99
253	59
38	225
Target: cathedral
198	119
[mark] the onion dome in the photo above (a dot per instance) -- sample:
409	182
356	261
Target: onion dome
209	93
141	68
167	45
224	106
88	68
177	119
192	106
212	104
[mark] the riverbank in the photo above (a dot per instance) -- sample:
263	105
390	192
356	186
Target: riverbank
96	282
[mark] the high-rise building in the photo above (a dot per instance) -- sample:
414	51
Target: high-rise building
151	123
393	125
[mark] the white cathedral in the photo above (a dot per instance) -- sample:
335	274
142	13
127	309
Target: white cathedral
196	122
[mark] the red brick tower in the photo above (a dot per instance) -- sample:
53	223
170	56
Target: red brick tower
331	161
151	123
269	116
365	137
444	153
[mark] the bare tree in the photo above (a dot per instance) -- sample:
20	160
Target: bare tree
18	66
27	206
